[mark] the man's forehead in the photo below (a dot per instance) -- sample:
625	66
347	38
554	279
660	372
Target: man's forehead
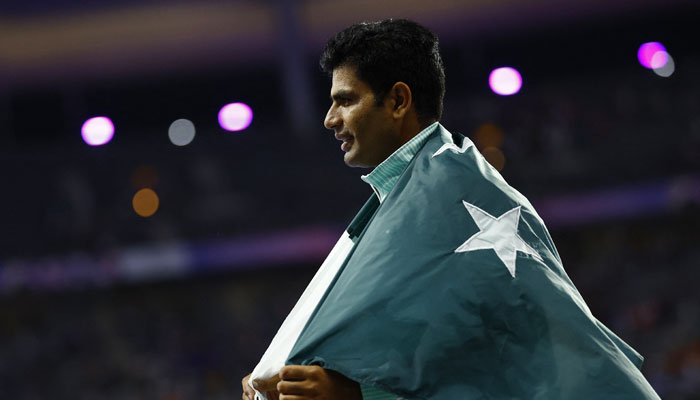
345	80
345	71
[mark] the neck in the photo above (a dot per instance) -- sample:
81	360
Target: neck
410	128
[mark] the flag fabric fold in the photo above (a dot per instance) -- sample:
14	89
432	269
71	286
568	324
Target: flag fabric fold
278	351
410	314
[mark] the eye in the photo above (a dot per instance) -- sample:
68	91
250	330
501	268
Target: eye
341	100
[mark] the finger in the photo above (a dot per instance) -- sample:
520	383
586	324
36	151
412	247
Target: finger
293	387
248	393
266	385
292	397
299	372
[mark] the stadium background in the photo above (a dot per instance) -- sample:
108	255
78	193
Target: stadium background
98	302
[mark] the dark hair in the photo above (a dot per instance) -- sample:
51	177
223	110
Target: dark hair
390	51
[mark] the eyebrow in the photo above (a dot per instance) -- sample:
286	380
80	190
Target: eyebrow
342	94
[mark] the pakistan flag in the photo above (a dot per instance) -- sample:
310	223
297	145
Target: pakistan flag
454	290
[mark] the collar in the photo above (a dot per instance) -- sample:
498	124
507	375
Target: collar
384	176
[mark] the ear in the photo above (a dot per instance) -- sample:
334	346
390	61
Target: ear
401	98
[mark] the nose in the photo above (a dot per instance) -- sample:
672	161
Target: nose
332	119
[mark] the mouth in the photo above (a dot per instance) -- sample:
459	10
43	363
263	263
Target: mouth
346	145
347	141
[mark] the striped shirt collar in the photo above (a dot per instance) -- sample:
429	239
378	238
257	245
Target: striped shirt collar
384	176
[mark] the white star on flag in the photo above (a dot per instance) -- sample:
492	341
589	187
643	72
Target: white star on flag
499	234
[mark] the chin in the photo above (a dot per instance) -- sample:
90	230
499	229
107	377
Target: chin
358	164
351	161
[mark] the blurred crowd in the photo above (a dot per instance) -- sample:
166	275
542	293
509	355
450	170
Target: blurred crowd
177	340
557	137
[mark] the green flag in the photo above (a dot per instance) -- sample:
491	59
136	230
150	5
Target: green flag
455	290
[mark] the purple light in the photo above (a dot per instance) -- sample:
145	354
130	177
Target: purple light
505	81
652	55
659	59
97	131
235	116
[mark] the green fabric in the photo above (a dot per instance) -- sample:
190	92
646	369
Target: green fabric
370	393
359	223
385	175
382	180
410	315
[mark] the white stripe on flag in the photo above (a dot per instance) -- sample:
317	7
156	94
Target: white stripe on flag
277	353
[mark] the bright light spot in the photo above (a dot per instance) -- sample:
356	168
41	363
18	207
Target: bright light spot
235	116
659	59
181	132
97	131
646	54
505	81
668	68
495	157
145	202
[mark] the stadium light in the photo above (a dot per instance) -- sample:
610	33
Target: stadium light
97	131
505	81
235	117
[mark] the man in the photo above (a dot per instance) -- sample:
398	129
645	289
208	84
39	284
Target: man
446	284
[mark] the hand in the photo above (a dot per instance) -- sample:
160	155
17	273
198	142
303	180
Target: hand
267	386
301	382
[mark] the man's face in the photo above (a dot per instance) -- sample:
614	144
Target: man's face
369	132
